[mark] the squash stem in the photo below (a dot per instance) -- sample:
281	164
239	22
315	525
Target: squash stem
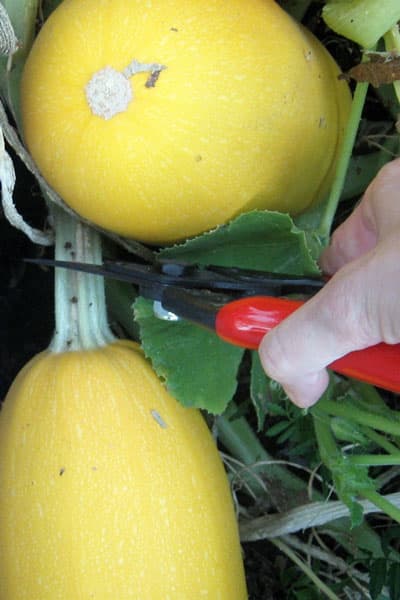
80	307
392	43
347	147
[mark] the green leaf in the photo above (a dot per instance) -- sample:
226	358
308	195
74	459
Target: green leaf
362	169
265	393
288	434
350	481
296	8
393	581
199	369
377	577
362	21
276	409
48	6
264	240
276	429
388	536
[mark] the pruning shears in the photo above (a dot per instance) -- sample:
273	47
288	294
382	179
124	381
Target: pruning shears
239	305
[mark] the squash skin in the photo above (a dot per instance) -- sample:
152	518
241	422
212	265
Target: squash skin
102	498
248	114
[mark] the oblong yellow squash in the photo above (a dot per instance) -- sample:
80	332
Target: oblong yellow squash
109	488
248	113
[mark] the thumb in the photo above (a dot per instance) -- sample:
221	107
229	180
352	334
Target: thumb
357	308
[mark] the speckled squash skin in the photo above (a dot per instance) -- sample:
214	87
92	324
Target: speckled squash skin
110	489
248	114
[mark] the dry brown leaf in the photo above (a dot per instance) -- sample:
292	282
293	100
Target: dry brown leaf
380	69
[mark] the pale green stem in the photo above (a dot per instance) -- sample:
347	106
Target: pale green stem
80	308
385	505
380	440
343	162
392	42
360	416
374	460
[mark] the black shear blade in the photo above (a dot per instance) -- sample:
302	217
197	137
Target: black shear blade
155	278
144	276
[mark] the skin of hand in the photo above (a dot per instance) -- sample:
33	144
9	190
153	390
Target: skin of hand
357	308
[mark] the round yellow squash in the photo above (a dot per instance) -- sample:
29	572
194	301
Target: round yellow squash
110	489
161	120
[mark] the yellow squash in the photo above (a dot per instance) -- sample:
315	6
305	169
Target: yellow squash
110	489
160	120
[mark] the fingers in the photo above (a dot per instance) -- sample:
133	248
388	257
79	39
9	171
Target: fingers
375	218
356	236
356	309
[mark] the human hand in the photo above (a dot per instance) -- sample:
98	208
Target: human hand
357	308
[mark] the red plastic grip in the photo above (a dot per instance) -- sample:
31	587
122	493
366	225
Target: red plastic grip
244	323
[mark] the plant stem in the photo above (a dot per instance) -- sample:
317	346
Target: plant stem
236	435
343	162
80	309
352	413
326	442
392	42
374	460
380	440
307	570
387	507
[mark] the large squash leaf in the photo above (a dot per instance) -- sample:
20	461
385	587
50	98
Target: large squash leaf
264	240
198	368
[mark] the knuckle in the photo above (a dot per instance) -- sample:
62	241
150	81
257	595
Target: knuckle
276	356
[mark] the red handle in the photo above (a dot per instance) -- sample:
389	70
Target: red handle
244	323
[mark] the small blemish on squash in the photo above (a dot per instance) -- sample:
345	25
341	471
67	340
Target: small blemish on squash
61	471
152	79
158	418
